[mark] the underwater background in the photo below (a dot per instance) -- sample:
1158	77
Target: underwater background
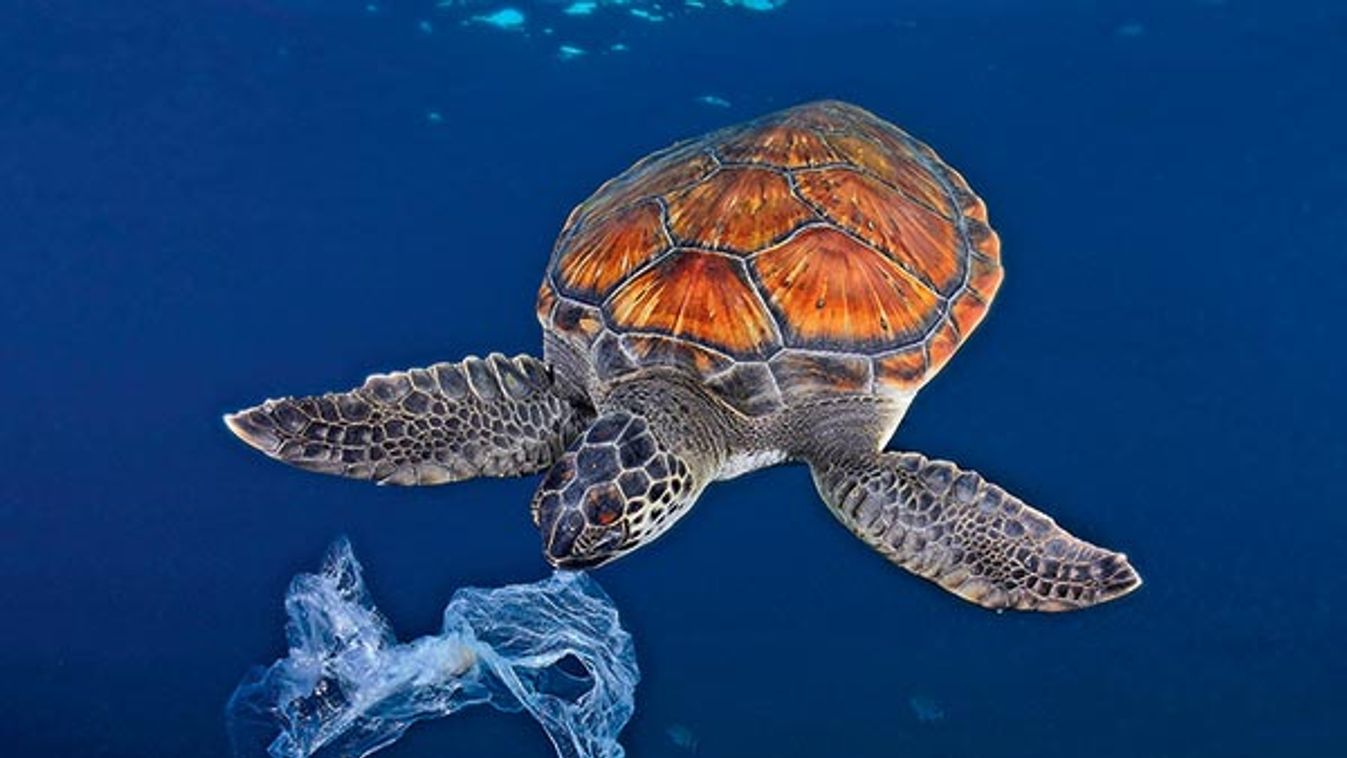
207	203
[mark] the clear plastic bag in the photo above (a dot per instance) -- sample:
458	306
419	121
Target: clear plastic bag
554	648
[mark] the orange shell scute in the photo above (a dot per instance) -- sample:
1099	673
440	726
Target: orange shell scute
607	250
828	290
904	370
823	116
699	296
984	276
985	240
944	341
917	239
901	170
967	310
780	146
679	166
547	299
740	209
970	204
820	242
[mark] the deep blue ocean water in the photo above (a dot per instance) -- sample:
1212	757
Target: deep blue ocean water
203	204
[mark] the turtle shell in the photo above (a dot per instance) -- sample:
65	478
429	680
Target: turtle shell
815	250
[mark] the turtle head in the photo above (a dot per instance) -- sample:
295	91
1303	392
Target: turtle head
615	489
572	541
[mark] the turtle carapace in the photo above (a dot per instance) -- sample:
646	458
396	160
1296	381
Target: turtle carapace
775	291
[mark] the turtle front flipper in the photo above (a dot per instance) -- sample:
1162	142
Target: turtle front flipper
968	535
492	416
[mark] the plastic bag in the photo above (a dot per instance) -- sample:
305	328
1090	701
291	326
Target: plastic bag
554	648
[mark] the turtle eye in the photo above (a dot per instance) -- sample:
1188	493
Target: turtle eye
603	504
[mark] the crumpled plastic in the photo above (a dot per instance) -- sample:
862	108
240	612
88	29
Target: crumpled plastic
554	648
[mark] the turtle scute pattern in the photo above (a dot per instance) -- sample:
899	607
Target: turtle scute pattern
763	256
969	535
492	416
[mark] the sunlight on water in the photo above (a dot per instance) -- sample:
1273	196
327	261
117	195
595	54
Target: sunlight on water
506	18
547	17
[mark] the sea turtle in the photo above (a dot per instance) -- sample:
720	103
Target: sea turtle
774	291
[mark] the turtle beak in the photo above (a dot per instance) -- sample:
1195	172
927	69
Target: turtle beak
581	563
570	542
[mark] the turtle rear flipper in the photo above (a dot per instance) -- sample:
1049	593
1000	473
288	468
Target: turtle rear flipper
968	535
492	416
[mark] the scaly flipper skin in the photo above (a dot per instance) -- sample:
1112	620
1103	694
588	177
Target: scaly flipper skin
617	488
492	416
968	535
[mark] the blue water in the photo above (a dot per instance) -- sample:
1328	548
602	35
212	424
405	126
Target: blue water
211	203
